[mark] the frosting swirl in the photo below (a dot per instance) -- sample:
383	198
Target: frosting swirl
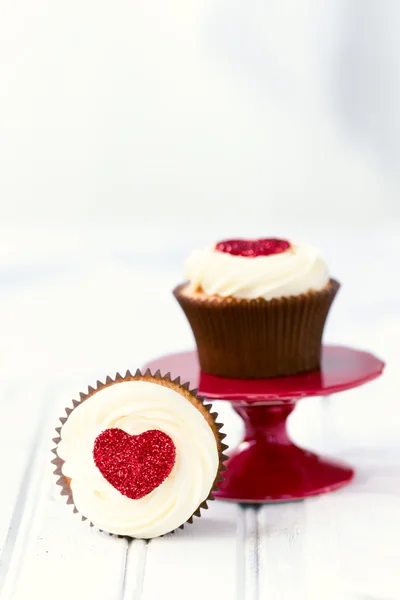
299	269
136	407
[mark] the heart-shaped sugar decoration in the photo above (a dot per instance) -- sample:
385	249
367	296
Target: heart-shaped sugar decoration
135	465
253	248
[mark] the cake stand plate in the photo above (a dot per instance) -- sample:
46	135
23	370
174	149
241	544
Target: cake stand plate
267	466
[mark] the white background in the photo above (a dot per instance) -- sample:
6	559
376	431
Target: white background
196	111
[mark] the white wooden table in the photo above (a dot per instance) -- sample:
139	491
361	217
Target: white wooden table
62	329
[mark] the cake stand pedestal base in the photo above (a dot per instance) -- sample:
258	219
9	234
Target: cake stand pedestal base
268	467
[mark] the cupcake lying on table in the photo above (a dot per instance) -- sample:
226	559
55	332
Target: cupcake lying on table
257	308
140	455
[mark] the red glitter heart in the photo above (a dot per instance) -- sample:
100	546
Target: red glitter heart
134	464
253	248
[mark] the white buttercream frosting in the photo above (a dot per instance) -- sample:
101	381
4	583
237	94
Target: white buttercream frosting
299	269
135	407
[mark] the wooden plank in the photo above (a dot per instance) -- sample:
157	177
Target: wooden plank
18	437
281	529
352	543
342	545
132	587
249	548
200	561
52	553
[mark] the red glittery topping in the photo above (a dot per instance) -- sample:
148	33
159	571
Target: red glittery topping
253	248
134	464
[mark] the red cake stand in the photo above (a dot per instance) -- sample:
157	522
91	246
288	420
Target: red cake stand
267	466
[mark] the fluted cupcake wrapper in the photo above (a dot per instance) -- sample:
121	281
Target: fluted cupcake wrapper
191	394
258	338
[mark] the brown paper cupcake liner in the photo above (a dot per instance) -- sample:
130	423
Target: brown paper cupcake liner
258	338
198	401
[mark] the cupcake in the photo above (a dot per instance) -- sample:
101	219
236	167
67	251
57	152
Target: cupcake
257	308
140	455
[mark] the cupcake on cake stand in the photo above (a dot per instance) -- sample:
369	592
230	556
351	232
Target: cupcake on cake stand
267	466
257	309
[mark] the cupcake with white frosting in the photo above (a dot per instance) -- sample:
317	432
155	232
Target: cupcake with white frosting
257	308
139	456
